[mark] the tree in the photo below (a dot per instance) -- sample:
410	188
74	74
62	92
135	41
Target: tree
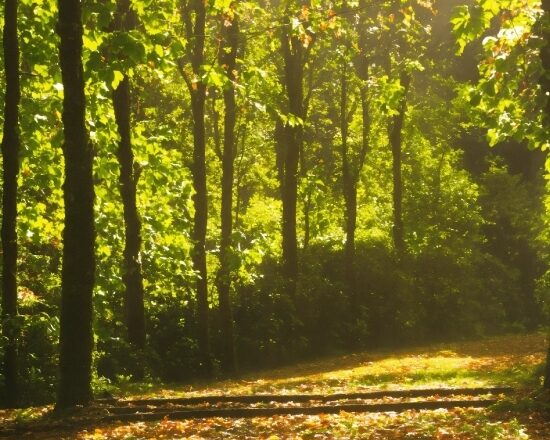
511	95
10	154
545	84
406	34
193	13
78	271
405	45
395	129
352	164
227	60
507	98
342	86
125	20
296	42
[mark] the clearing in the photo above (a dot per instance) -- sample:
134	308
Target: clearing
333	392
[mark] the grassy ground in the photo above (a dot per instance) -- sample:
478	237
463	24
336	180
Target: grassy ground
514	360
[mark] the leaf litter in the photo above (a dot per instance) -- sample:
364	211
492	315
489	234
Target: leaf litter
512	360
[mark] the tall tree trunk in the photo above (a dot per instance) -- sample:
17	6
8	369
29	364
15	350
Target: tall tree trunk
352	167
279	135
395	136
200	222
349	189
77	280
545	82
128	179
194	17
307	222
308	196
10	154
293	56
227	59
240	171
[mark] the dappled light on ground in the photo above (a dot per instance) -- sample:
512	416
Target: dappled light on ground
491	361
513	360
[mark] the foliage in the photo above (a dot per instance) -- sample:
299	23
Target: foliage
508	98
476	250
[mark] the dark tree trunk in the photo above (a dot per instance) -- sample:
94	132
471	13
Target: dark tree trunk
349	250
227	59
200	222
395	136
307	221
76	338
279	135
128	179
350	191
240	171
307	197
10	154
194	17
352	168
293	56
545	82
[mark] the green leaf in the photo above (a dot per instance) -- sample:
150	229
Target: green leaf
117	78
159	50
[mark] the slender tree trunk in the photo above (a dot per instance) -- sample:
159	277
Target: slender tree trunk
196	35
307	221
280	153
349	250
240	173
308	196
395	136
200	222
227	59
10	154
132	273
128	179
349	189
293	55
545	82
193	14
352	168
77	282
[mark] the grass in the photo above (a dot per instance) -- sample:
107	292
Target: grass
514	360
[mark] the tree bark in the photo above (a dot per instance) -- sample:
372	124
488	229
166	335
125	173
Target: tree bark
546	383
227	60
194	17
76	337
279	134
395	136
349	189
10	154
351	169
545	83
307	221
128	179
293	56
200	222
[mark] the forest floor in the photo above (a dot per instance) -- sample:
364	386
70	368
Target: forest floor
511	361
